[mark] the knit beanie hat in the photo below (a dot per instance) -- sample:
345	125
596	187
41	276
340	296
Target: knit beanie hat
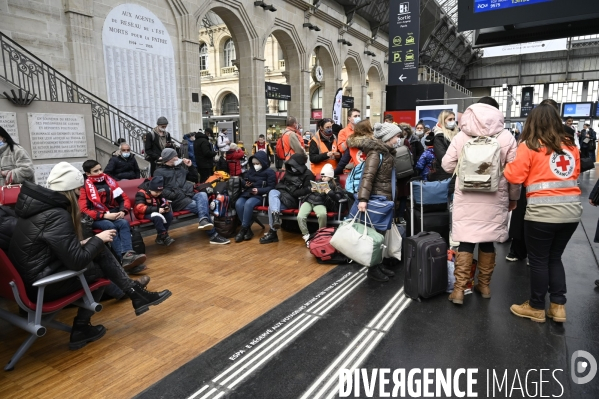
430	138
327	170
162	121
385	131
64	177
157	183
168	154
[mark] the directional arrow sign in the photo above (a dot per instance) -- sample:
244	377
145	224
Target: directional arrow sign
401	78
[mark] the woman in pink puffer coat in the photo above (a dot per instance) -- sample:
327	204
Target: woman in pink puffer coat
480	218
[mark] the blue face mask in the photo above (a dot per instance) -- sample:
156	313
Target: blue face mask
125	154
357	120
2	144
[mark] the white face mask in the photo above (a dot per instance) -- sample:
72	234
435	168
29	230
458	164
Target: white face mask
357	120
162	129
397	144
257	168
178	162
450	125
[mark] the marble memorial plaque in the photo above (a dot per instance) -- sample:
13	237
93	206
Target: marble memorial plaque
57	135
8	120
140	66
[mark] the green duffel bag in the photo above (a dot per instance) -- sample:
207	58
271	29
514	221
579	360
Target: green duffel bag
360	243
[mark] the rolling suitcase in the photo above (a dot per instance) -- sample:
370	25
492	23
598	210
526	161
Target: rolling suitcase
425	259
433	221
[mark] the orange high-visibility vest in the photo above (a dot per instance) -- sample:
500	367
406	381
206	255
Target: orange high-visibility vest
549	179
316	168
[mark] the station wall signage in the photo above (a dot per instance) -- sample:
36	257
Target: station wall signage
347	102
275	91
404	39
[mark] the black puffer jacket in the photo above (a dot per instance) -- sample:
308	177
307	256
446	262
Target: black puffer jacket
295	184
440	146
375	180
120	168
329	200
203	151
176	187
44	239
264	180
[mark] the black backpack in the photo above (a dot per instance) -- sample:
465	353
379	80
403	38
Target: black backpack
137	242
222	164
234	189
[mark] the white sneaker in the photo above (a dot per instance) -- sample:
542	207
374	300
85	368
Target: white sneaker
305	237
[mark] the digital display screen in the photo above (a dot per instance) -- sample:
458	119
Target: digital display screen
577	109
493	5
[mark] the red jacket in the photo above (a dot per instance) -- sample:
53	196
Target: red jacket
121	203
234	160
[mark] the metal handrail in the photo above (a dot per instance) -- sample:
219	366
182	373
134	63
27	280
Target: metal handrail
26	71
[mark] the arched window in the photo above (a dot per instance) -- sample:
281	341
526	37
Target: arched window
229	52
203	57
317	99
206	105
230	105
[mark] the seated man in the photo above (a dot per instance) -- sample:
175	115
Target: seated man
180	192
104	201
295	184
123	164
150	204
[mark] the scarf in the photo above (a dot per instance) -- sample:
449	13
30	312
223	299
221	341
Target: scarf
261	146
92	192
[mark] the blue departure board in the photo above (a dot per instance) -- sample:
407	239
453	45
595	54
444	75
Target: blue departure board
493	5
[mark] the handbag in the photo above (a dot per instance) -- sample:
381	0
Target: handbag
10	192
393	243
360	243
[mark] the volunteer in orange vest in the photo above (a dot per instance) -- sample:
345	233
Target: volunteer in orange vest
293	143
548	164
353	118
323	147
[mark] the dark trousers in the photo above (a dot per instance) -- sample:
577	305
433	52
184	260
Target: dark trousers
597	233
160	225
487	247
518	248
584	152
205	173
104	265
546	243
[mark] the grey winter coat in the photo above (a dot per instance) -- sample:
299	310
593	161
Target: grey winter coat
176	187
18	162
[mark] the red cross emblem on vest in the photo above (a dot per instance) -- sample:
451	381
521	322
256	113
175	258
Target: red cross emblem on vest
563	163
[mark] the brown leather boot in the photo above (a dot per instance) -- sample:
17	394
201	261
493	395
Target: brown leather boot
463	262
557	312
528	312
486	264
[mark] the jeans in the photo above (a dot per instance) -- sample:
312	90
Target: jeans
274	204
199	206
302	216
122	241
159	224
486	247
546	243
245	209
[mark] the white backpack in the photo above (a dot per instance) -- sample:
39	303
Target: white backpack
479	166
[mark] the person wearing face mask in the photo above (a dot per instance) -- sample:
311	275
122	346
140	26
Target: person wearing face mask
15	164
123	164
106	203
295	184
445	130
260	179
323	147
377	175
179	190
156	141
353	118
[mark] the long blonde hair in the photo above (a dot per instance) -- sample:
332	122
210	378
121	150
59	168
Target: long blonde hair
74	210
447	133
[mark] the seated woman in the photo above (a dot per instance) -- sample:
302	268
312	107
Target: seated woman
320	203
259	180
105	202
150	204
47	240
16	165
